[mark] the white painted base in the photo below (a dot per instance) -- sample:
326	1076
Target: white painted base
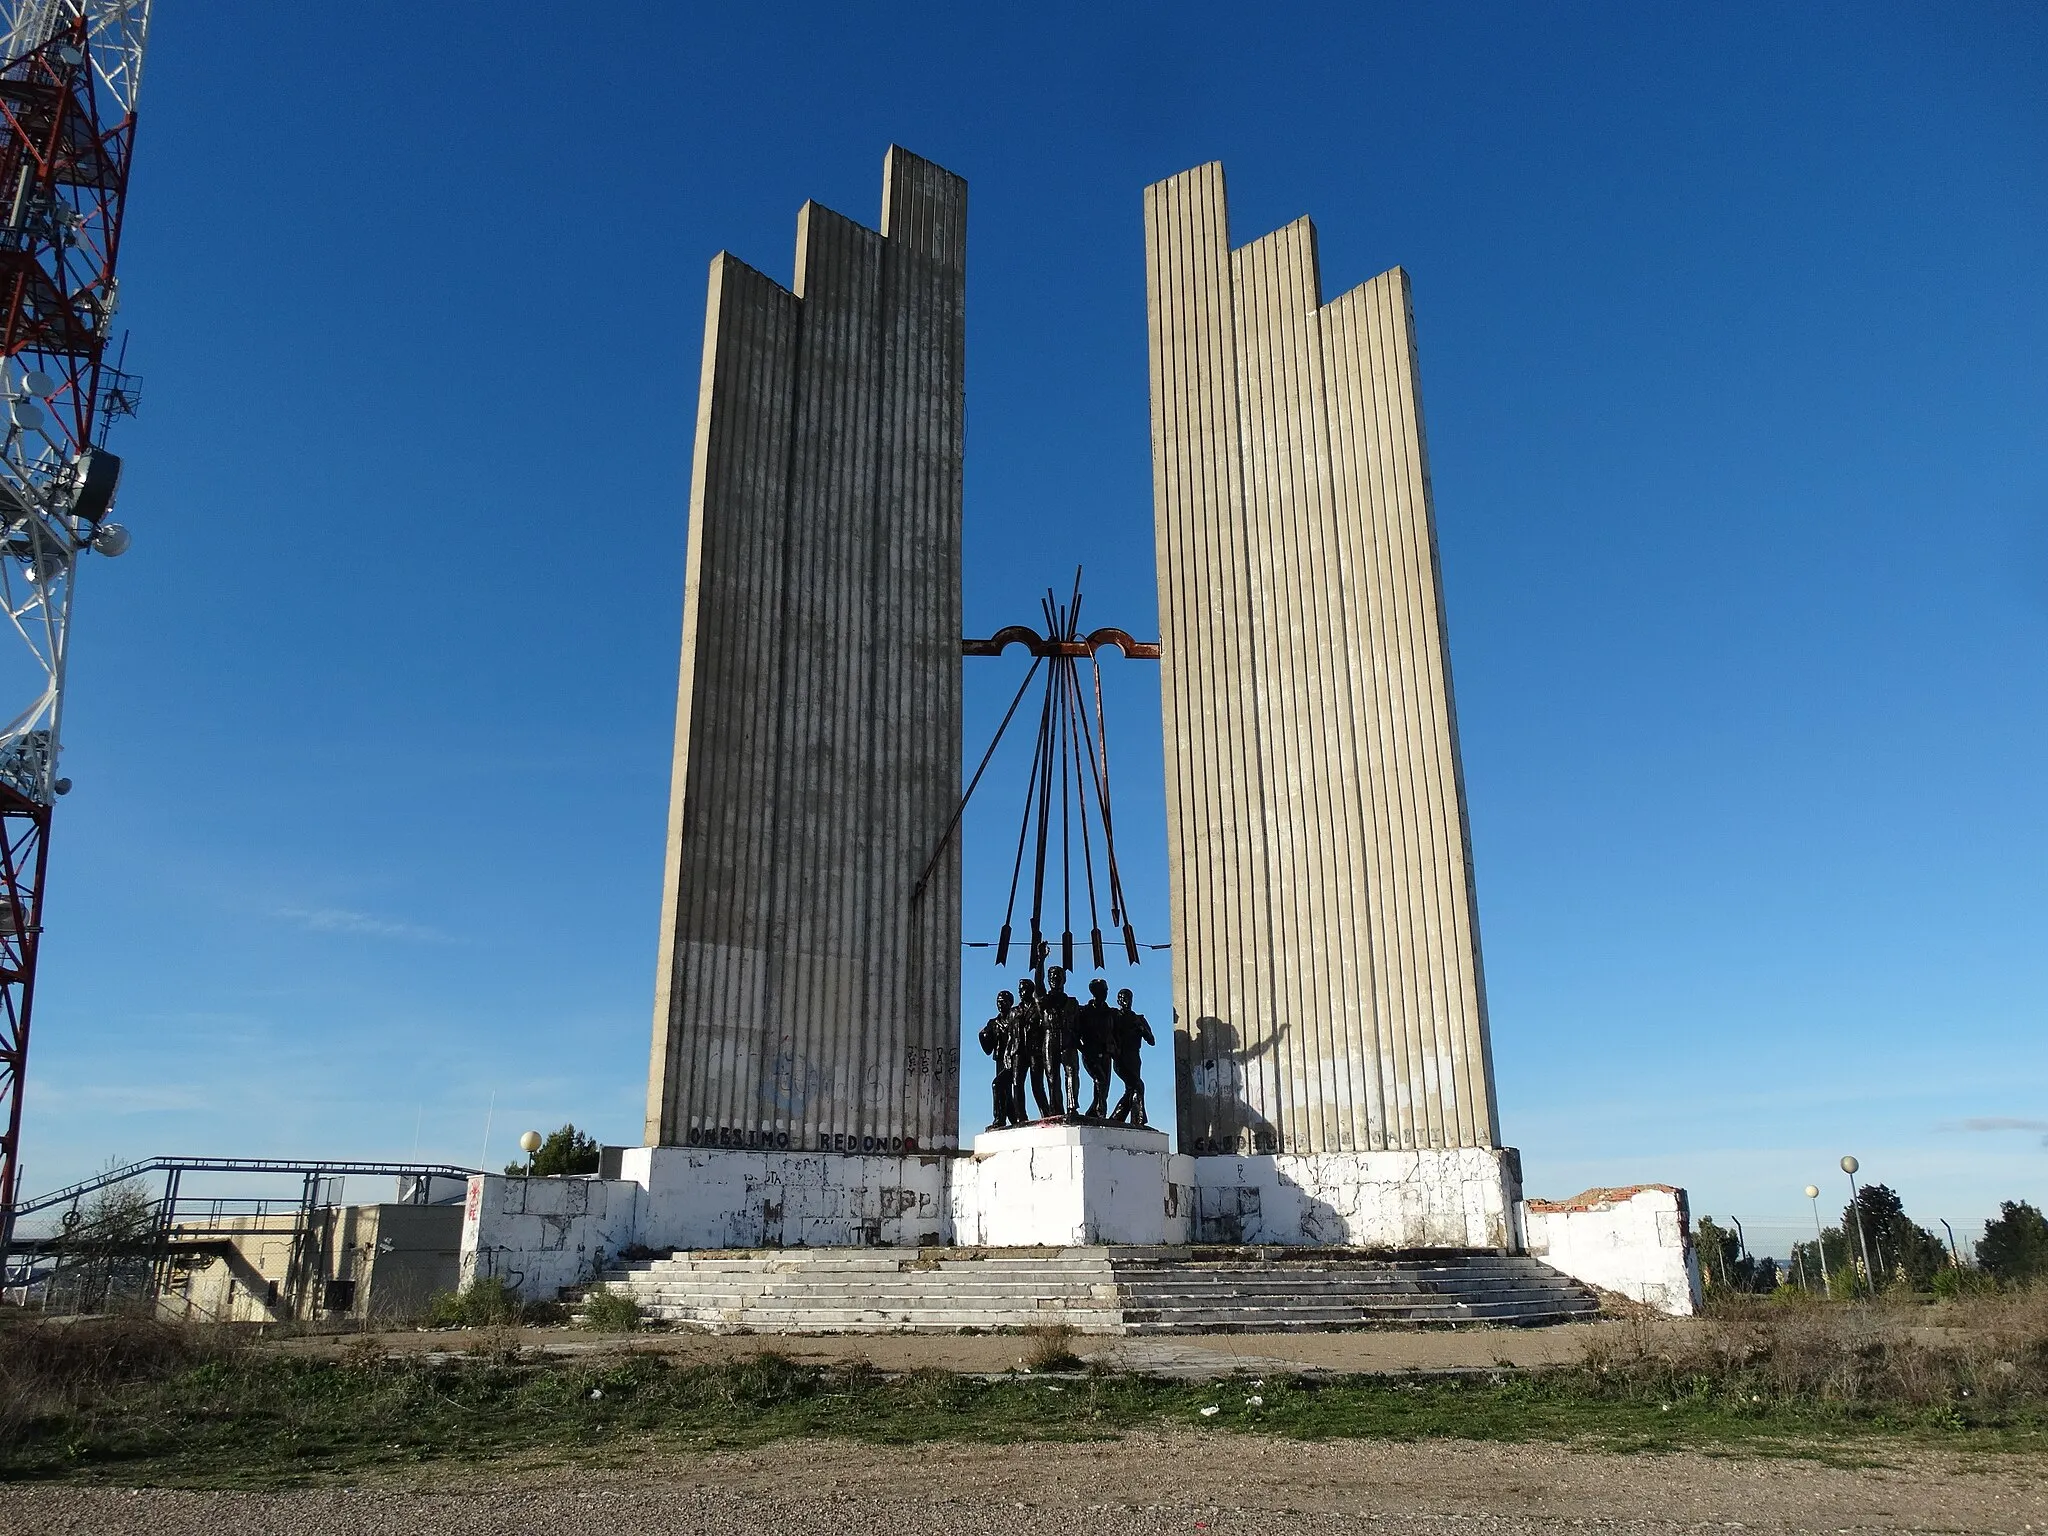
539	1235
1071	1186
1455	1197
701	1197
1051	1186
1635	1241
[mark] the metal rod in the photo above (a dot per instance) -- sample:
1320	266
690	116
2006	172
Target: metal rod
960	810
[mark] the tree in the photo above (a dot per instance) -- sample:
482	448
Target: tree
103	1262
1723	1263
1807	1257
1900	1249
567	1151
2015	1246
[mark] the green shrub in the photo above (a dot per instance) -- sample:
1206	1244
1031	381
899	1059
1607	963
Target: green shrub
611	1311
479	1304
1954	1283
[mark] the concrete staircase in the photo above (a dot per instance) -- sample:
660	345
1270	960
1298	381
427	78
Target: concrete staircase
1306	1292
877	1290
1093	1290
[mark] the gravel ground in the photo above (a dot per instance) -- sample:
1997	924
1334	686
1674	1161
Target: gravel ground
1142	1484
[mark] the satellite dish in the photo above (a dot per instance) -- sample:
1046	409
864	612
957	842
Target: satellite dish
38	383
97	476
112	539
27	415
62	786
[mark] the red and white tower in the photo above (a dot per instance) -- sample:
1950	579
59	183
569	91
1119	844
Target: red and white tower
67	129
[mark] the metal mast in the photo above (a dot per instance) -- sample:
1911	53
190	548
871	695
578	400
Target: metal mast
68	82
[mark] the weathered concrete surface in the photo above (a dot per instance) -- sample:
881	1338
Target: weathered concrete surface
1326	952
539	1235
1635	1241
1065	1185
698	1199
1462	1197
802	995
1125	1289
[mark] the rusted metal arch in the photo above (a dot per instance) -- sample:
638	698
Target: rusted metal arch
1038	645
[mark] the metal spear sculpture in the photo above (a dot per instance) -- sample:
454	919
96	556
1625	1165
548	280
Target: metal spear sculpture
1067	790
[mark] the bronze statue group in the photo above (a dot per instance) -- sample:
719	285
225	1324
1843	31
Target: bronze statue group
1047	1039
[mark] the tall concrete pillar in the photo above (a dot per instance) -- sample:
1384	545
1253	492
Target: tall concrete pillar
1327	978
803	999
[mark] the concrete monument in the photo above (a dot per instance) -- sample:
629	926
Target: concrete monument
1330	1036
1332	1065
804	1000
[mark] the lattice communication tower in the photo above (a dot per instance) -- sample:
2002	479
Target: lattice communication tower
67	131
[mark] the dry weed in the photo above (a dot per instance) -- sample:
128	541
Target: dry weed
1993	1349
53	1367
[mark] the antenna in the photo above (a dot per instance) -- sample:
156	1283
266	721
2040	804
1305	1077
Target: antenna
69	72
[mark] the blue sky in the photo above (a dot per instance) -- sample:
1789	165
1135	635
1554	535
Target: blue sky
1733	339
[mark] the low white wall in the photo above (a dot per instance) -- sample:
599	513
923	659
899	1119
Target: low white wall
1635	1241
1456	1197
692	1197
1066	1186
539	1235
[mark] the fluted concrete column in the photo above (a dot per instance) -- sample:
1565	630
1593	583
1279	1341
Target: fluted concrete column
1328	989
803	999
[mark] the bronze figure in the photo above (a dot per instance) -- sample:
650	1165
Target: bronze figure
1002	1039
1060	1011
1040	1058
1095	1039
1129	1034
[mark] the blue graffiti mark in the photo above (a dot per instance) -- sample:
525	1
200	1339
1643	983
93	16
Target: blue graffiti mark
792	1082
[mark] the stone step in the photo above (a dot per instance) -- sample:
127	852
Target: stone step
1150	1291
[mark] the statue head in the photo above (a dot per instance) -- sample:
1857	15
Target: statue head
1123	997
1056	979
1004	1002
1027	988
1098	989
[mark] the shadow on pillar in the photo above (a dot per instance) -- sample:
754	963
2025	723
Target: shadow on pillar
1217	1117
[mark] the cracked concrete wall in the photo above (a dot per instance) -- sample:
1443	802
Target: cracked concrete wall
1635	1241
539	1235
802	997
725	1199
1462	1197
1327	980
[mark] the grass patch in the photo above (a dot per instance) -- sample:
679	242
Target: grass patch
148	1404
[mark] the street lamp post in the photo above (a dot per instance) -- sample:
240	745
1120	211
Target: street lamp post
1849	1166
1820	1242
529	1143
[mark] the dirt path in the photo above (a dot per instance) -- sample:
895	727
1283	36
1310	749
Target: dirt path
1142	1484
1191	1355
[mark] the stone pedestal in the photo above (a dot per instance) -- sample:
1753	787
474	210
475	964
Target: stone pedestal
1066	1186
